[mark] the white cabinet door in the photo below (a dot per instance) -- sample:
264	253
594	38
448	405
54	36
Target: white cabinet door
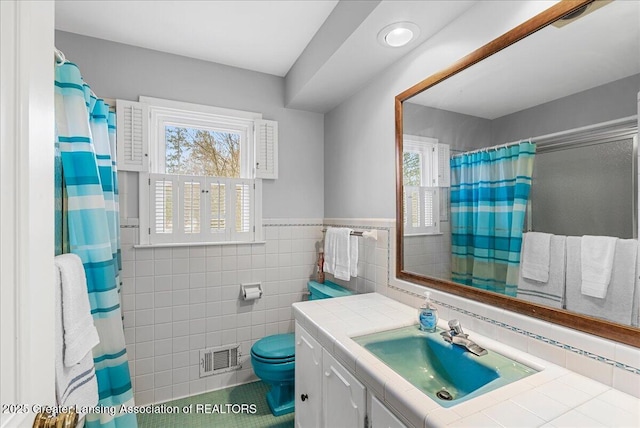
308	384
381	417
344	397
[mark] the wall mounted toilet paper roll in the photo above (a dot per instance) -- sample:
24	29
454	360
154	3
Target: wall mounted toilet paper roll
251	291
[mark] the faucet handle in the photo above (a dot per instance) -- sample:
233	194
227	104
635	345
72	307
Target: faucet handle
455	327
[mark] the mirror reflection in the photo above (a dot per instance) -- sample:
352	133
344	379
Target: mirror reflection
520	173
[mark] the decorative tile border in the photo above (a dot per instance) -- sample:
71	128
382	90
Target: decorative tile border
291	224
628	368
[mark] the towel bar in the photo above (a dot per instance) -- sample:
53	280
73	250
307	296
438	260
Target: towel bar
372	233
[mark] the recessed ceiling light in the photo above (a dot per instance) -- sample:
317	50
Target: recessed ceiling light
398	34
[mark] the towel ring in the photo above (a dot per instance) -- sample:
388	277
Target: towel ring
62	420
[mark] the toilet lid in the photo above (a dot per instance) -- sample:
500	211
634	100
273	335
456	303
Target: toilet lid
277	346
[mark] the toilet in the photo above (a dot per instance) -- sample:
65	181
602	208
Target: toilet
273	357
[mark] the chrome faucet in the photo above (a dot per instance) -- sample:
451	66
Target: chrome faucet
456	336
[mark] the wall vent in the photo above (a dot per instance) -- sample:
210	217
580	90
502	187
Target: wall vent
219	360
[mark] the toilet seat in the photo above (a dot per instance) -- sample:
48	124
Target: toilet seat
279	348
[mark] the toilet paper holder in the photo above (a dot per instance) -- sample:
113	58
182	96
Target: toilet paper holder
251	291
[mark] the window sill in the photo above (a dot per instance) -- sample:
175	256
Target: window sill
197	244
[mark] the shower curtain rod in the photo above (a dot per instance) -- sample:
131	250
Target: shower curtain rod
617	125
59	56
496	147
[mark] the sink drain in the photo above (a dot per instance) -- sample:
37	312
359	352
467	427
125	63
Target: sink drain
444	395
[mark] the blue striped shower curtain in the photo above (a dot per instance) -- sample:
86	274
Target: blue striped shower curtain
85	134
489	194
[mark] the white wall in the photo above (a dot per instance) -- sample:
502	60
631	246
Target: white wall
26	209
115	70
359	134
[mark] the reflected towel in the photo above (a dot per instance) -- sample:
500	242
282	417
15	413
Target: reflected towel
337	252
597	254
551	293
76	385
536	247
617	305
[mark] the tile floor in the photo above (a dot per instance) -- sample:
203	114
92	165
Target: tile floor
229	407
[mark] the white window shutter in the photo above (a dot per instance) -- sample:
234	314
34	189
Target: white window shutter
412	209
445	200
242	194
444	167
163	208
421	210
132	136
266	135
217	209
192	211
429	164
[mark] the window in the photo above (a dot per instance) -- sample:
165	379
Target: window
200	169
425	170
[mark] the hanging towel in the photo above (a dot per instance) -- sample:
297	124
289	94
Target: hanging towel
535	256
552	292
353	255
617	304
80	335
337	252
76	385
597	262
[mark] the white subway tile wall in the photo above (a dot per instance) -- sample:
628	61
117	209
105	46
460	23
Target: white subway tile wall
179	300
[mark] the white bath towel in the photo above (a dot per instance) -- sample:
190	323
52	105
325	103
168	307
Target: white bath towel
337	252
76	385
536	247
80	335
617	305
552	292
353	255
597	254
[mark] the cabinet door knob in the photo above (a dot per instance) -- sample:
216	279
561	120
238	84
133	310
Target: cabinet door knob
304	397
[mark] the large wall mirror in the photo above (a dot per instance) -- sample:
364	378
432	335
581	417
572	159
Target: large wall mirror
530	139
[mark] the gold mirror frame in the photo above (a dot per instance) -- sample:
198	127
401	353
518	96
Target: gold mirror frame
599	327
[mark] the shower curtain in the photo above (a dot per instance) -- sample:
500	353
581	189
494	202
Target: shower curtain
489	193
89	221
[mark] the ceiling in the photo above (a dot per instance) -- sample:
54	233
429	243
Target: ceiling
326	49
593	50
264	36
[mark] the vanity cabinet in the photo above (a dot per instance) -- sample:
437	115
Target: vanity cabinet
308	382
328	395
381	417
344	397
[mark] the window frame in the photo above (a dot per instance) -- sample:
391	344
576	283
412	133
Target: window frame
427	149
173	113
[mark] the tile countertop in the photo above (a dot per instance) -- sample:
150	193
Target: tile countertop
553	397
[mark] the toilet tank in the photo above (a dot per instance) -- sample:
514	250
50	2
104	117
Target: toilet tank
327	290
